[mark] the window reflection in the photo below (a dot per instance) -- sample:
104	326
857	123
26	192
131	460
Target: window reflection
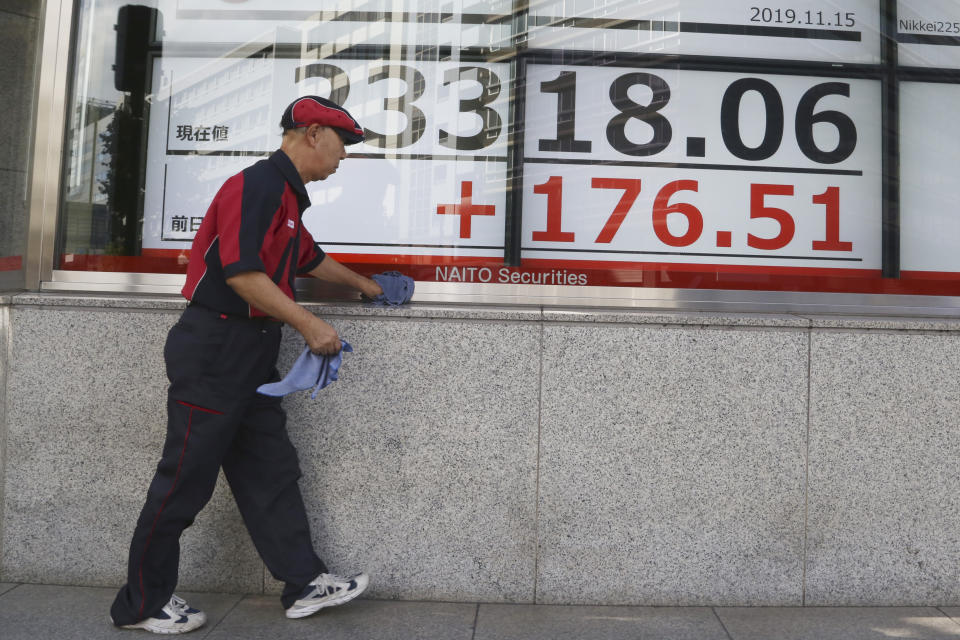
665	143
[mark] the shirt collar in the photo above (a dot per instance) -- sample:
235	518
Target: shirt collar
283	162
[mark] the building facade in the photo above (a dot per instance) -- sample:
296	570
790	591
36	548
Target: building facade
687	323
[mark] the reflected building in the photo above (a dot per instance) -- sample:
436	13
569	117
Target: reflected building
87	228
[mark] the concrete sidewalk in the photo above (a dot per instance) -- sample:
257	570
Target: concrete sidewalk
46	612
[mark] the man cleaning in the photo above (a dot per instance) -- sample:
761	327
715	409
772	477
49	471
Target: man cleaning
245	258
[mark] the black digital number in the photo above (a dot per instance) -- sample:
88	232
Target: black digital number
339	82
416	121
803	124
806	119
730	119
565	86
492	124
649	113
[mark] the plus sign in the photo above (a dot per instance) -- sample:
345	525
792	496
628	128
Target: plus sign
466	208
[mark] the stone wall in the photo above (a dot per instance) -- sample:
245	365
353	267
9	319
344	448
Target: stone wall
526	454
4	361
19	40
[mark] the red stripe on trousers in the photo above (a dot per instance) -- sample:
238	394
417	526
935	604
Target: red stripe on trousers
183	452
199	408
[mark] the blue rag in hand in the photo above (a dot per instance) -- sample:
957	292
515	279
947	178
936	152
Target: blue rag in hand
397	288
310	370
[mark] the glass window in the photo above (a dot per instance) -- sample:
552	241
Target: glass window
17	73
928	36
678	144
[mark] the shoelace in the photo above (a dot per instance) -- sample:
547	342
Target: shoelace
179	605
330	580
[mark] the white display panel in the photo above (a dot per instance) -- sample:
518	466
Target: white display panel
929	172
772	170
430	179
459	23
844	31
928	33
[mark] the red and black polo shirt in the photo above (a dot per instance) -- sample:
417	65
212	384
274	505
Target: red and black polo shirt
253	224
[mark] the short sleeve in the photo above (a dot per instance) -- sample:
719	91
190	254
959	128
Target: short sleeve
243	220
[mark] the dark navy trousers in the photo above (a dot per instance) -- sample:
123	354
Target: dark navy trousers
215	418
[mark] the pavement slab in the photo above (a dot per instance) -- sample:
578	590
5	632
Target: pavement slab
552	622
838	623
33	611
261	617
47	612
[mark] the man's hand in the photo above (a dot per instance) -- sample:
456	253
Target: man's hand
332	271
372	289
321	337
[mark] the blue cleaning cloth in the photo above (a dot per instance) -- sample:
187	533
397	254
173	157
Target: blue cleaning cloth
397	288
309	370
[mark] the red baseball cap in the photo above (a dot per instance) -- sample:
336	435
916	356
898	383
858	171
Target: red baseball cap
309	110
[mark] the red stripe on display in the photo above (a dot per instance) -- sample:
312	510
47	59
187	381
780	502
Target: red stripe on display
11	263
929	275
170	261
597	272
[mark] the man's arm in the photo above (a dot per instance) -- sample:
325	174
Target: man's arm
332	271
256	288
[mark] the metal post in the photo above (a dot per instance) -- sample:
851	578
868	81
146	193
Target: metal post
514	215
891	140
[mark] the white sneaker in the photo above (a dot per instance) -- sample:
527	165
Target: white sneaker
327	590
175	617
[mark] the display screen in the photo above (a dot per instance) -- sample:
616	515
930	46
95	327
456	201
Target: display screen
694	167
684	143
436	141
928	33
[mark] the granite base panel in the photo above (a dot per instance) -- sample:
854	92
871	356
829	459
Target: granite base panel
4	359
623	462
82	445
672	466
403	458
412	472
884	504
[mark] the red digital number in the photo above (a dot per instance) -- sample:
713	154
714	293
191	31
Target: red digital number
631	189
759	209
553	189
662	208
831	200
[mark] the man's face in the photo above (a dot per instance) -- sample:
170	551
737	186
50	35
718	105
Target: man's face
329	151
